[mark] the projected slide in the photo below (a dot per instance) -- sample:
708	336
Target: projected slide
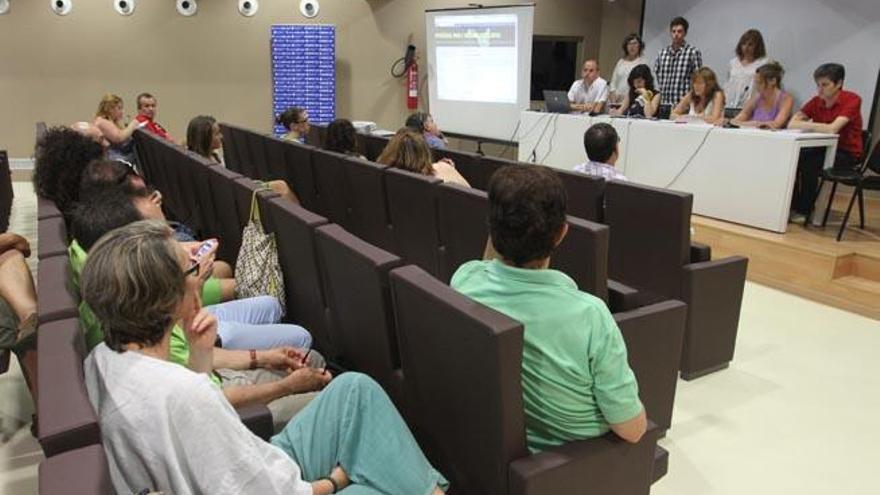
476	57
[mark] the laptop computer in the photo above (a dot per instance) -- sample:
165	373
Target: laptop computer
557	101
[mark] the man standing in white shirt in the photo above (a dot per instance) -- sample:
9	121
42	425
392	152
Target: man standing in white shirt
590	93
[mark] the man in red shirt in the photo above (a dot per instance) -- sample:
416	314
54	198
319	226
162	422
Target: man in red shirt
147	112
833	110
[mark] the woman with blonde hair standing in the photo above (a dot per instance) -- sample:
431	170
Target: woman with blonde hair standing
108	119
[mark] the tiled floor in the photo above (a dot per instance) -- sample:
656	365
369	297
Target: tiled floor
795	413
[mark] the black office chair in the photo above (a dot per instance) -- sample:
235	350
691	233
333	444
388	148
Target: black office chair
846	177
862	182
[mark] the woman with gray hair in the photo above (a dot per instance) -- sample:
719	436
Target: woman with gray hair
169	428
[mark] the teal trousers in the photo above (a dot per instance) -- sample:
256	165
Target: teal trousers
353	424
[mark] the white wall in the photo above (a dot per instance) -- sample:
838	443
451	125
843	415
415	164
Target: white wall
800	34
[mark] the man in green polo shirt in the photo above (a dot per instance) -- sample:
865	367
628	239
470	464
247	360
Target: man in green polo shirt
575	377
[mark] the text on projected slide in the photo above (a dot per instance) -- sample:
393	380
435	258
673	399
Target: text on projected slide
476	57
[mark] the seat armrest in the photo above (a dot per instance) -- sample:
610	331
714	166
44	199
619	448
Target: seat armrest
713	291
608	465
622	297
700	252
83	471
653	335
258	419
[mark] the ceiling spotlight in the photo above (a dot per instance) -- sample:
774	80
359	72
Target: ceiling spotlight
4	6
309	8
187	7
248	8
124	7
61	7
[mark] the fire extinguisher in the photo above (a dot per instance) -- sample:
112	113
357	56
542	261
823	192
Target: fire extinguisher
412	85
410	66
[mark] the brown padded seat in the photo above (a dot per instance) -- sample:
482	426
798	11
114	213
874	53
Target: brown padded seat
653	336
257	154
223	194
83	471
46	209
52	237
54	300
651	251
469	165
462	215
294	228
66	418
355	276
332	185
583	256
352	194
372	146
412	208
244	189
232	153
650	236
298	160
472	406
585	194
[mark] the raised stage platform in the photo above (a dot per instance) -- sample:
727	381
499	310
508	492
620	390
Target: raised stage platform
808	262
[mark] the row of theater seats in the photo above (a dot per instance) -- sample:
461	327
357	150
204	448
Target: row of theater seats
66	425
452	366
628	244
439	226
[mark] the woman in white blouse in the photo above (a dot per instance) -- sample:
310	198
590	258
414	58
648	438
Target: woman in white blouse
169	428
633	46
750	54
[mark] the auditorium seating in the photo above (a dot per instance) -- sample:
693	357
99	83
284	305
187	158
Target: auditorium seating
338	288
406	214
83	471
412	209
650	250
55	302
462	363
371	146
52	236
352	194
46	209
6	193
66	418
355	276
294	228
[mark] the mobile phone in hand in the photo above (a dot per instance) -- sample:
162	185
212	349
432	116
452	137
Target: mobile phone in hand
205	248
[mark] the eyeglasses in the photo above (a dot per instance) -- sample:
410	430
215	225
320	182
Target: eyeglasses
193	270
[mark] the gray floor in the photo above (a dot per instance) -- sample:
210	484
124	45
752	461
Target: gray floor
795	413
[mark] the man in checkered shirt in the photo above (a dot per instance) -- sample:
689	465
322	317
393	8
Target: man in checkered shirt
601	144
675	64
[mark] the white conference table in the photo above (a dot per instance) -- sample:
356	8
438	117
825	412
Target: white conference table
744	176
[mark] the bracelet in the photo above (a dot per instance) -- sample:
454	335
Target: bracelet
253	359
332	482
